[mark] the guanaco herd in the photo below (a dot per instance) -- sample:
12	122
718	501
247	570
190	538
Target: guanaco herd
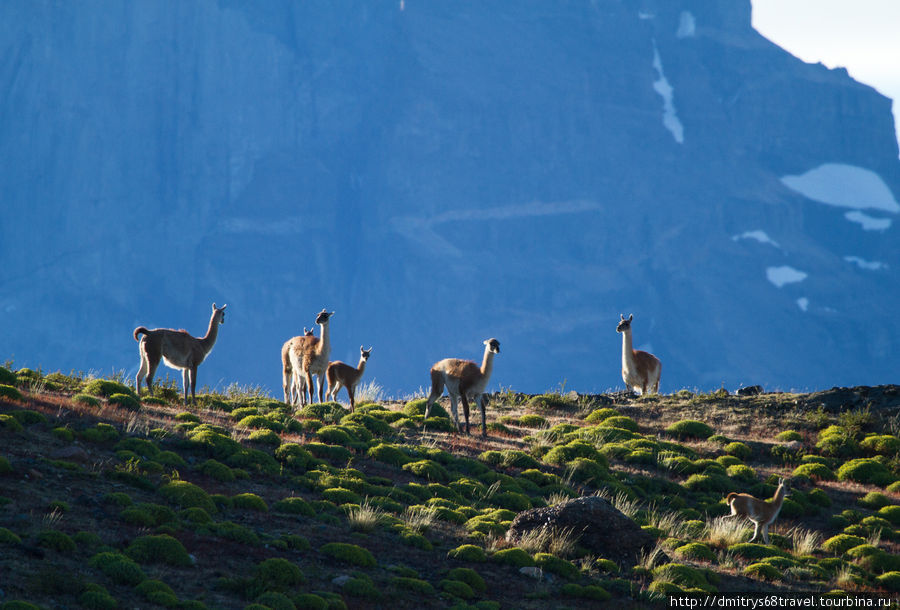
306	355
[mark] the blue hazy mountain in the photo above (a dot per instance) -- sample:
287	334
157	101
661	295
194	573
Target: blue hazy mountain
440	173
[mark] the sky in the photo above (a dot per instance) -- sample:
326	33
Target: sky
860	35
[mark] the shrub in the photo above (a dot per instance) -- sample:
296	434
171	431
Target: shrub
415	585
10	423
551	401
5	467
874	500
681	575
885	444
689	428
695	551
836	441
752	550
294	506
457	588
187	495
815	471
555	565
278	574
842	543
428	469
598	415
742	472
865	470
107	388
86	400
7	377
294	457
417	408
587	471
212	440
249	501
97	597
389	454
515	557
349	553
738	450
593	592
215	469
157	592
619	421
27	417
788	436
159	549
531	420
126	401
763	571
339	495
7	537
889	581
470	577
468	552
117	567
891	513
709	482
56	540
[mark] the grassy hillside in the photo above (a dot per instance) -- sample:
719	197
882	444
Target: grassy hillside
240	502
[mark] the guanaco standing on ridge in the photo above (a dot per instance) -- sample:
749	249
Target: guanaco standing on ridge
305	356
762	513
640	370
341	375
178	349
464	380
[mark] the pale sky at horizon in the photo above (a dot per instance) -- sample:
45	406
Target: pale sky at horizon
861	36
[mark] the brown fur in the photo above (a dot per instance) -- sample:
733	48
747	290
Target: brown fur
305	356
464	379
340	374
178	349
644	369
762	513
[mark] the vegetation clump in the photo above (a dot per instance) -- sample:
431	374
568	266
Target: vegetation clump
162	549
349	553
690	428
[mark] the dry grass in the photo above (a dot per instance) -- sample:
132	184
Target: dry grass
725	531
648	560
419	519
805	541
365	517
549	540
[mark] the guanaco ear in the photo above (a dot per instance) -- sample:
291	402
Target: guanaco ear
622	315
361	348
214	307
369	350
631	317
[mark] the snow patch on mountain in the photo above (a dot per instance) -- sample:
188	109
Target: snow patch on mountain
846	186
666	92
869	223
864	264
785	274
757	235
687	25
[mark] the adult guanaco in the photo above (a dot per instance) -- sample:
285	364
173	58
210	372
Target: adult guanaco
178	349
464	380
640	370
762	513
305	356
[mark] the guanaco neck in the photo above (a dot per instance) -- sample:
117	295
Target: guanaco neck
627	350
778	498
323	347
487	363
360	367
209	339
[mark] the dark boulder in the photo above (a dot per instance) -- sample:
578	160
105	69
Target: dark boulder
601	528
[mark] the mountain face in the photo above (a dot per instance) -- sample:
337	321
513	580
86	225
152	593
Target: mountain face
441	173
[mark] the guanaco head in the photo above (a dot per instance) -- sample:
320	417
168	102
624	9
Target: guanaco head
219	313
624	324
784	484
323	316
307	333
364	353
493	345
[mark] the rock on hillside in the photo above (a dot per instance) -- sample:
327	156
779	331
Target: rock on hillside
600	527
